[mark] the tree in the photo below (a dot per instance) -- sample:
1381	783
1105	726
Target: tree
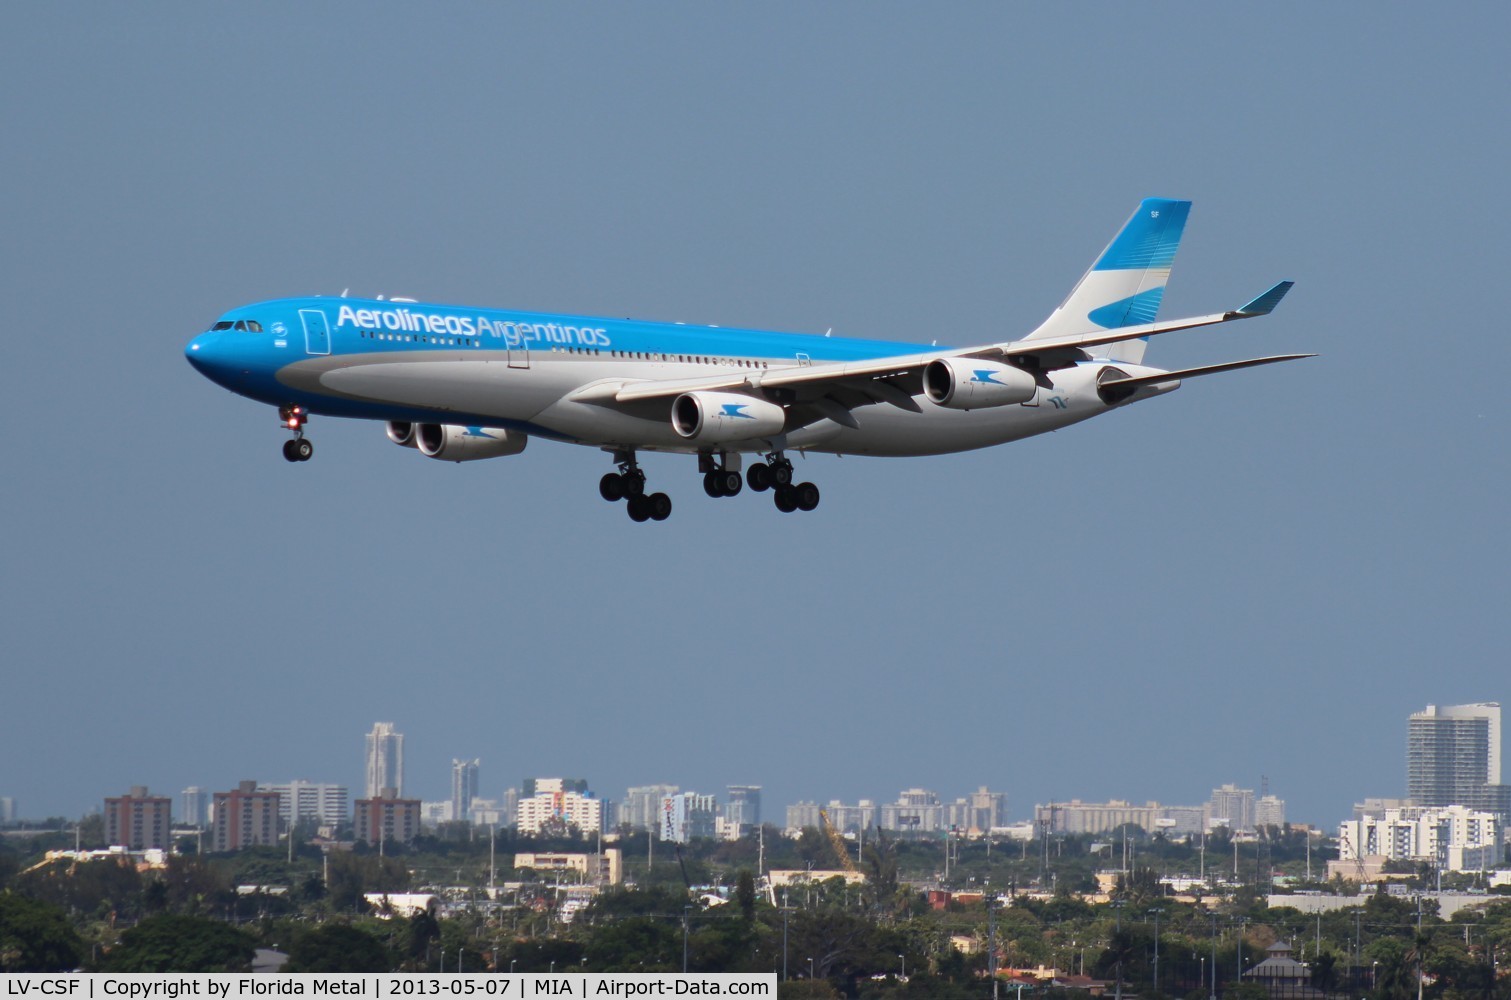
422	930
337	948
881	870
1139	888
745	894
173	943
36	937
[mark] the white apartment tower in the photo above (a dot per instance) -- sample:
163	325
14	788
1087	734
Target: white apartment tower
463	786
385	760
298	800
1453	757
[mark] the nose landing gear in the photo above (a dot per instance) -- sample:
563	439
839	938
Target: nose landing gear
299	448
628	484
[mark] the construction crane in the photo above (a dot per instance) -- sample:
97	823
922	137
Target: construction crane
841	849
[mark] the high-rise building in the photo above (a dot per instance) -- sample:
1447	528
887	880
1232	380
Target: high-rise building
1269	811
641	808
324	803
916	810
1076	816
802	815
1231	804
688	816
386	818
7	809
534	786
558	800
138	821
1453	757
385	759
192	803
743	808
978	812
463	786
245	817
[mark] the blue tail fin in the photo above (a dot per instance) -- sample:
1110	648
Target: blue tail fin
1125	285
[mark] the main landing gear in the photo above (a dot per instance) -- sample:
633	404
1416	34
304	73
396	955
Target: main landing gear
775	474
628	484
719	478
300	448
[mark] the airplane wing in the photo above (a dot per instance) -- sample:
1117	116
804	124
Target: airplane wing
896	380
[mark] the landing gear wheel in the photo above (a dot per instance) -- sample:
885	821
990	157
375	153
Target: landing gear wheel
640	508
303	449
729	482
711	485
290	450
611	487
786	499
806	495
634	483
759	477
781	474
660	506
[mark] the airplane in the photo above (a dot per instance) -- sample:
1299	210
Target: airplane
460	383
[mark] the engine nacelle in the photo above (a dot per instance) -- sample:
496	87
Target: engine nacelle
451	443
718	417
401	433
973	384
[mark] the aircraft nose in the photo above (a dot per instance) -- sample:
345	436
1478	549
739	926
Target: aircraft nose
208	355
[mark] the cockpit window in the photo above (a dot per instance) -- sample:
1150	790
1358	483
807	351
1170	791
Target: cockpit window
241	324
254	326
222	325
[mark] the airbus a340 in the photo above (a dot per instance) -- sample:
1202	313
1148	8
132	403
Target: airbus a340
459	383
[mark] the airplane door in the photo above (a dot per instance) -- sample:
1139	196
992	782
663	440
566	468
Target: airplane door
518	347
317	336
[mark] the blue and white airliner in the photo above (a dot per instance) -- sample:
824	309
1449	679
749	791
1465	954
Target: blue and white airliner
459	383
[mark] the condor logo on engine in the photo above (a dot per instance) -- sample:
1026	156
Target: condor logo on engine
717	417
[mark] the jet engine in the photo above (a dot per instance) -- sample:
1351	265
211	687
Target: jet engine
719	417
973	384
451	443
401	433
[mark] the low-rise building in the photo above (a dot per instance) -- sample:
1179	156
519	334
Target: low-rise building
1451	838
606	868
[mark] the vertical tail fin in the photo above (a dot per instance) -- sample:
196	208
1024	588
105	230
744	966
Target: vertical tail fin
1125	285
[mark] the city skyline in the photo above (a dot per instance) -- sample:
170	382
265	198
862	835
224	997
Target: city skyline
1251	576
1452	752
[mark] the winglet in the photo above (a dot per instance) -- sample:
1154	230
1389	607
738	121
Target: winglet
1266	303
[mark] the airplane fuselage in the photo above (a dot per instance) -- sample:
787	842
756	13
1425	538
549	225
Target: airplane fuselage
533	373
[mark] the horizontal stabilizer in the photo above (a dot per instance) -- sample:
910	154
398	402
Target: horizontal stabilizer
1267	302
1137	380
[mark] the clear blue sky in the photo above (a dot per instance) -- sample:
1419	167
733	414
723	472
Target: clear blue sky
1261	574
